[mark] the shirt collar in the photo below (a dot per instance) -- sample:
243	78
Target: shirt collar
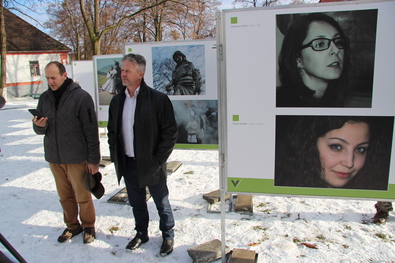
136	92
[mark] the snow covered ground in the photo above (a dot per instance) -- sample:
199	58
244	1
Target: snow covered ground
281	229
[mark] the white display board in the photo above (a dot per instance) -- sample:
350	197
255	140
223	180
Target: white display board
82	72
196	112
257	127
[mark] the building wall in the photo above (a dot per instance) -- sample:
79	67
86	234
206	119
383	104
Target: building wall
20	81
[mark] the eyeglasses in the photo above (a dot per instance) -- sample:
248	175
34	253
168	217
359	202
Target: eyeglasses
321	44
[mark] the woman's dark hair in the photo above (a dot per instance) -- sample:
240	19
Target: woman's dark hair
297	157
291	50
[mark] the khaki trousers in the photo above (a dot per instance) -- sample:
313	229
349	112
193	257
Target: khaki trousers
69	180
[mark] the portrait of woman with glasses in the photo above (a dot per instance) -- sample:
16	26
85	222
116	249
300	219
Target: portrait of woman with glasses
313	63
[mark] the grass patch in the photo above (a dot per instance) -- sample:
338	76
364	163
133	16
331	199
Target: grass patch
257	228
380	235
296	240
113	229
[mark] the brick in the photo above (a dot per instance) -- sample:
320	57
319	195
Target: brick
243	256
207	252
214	196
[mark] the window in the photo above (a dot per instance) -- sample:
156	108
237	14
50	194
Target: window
34	68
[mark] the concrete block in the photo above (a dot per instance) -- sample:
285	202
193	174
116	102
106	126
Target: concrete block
243	256
243	204
121	197
104	163
207	252
106	158
214	196
173	166
216	207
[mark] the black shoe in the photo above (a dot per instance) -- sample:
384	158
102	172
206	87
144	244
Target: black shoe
89	235
137	241
380	217
69	233
167	247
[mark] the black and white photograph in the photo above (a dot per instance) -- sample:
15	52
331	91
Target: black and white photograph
344	152
197	121
326	59
179	70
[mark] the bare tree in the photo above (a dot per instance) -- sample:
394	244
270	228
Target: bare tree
104	24
261	3
92	20
190	19
94	30
3	40
253	3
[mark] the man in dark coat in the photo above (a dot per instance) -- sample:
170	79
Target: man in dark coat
71	145
142	132
117	77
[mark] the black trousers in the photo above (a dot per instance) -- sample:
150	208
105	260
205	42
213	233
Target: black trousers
137	200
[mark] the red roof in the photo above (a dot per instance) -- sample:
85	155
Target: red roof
22	36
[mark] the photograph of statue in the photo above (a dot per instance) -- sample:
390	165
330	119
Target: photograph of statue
179	70
326	59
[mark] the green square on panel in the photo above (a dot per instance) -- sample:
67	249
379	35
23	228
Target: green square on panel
233	20
130	50
235	118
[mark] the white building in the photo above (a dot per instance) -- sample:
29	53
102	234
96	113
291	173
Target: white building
28	51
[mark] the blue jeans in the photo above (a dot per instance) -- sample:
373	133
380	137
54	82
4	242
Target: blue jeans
137	200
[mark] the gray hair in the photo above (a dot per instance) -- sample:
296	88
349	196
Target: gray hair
137	59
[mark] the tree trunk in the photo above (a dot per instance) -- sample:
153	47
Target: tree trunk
3	52
96	46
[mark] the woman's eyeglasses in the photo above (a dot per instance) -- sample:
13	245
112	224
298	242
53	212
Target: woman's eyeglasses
321	44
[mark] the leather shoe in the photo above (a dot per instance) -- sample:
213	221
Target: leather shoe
167	247
69	234
137	241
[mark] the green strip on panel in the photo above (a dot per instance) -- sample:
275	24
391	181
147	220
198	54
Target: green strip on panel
102	123
266	186
197	146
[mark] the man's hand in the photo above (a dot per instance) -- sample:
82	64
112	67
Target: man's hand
42	122
93	168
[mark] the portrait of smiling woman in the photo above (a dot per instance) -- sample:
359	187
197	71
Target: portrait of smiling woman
350	152
314	62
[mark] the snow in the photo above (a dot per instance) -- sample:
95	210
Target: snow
281	229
